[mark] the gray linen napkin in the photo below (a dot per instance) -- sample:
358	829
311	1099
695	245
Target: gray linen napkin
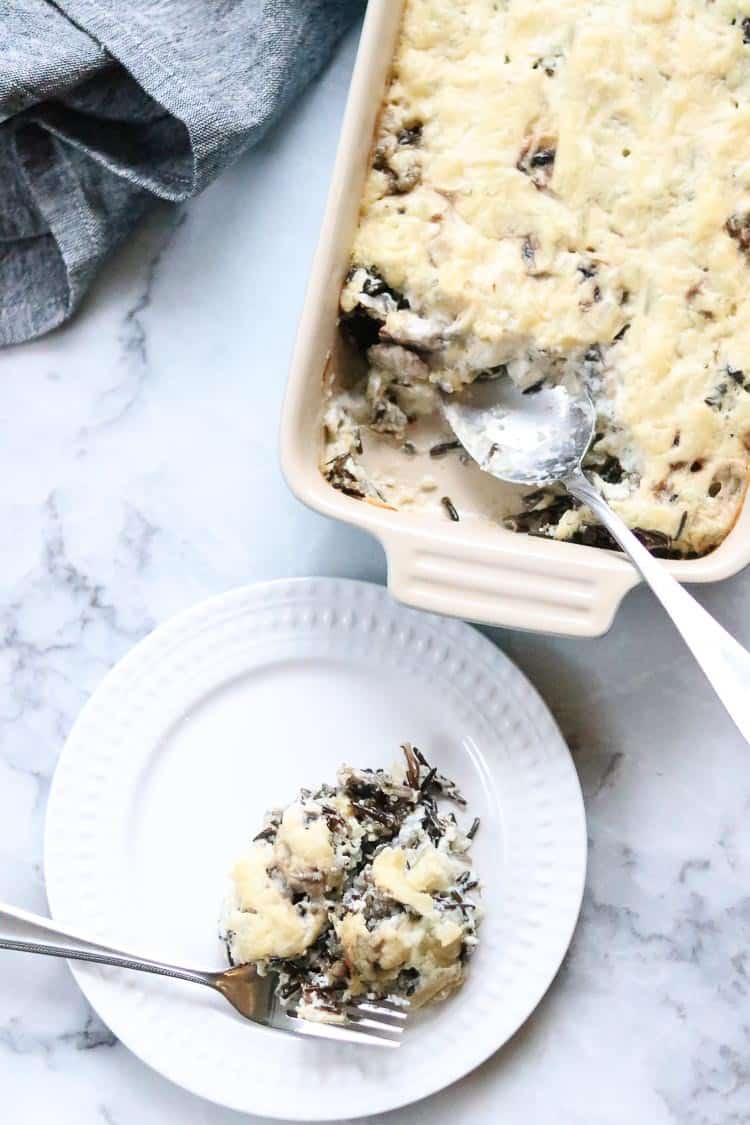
106	105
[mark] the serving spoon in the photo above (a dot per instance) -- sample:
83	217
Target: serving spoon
542	439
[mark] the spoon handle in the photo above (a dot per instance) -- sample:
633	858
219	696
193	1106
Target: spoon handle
724	661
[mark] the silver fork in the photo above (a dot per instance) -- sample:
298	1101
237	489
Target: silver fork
379	1023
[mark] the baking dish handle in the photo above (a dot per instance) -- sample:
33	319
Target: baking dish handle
527	586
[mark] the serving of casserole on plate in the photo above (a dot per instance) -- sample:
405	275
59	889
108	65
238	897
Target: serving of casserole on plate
524	191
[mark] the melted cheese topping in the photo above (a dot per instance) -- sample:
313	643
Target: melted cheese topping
265	922
398	941
309	844
577	166
433	871
378	955
304	851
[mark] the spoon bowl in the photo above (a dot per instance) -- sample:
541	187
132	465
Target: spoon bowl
532	437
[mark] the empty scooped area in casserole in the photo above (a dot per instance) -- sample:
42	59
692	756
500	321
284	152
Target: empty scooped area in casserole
554	187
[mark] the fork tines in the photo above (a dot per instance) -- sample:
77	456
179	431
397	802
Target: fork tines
379	1023
392	1015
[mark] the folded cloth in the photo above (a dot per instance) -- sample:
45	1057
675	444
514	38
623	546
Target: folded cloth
106	106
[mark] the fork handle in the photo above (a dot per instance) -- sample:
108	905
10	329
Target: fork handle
30	933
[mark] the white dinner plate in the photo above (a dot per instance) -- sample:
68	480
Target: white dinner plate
228	709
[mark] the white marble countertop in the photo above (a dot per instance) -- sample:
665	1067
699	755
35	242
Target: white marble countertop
139	474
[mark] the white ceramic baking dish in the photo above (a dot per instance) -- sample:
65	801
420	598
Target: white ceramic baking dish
476	571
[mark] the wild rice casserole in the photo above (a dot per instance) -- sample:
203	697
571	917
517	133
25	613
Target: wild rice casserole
363	888
554	186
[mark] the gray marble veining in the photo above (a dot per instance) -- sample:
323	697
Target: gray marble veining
139	474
